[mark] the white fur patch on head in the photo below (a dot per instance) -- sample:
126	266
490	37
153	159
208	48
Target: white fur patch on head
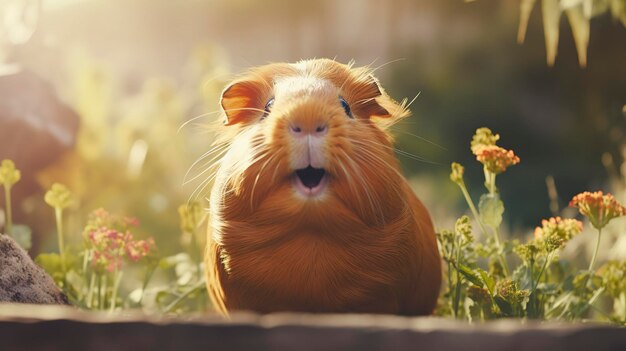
302	86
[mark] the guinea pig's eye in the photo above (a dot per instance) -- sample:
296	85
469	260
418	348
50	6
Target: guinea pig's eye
268	107
346	107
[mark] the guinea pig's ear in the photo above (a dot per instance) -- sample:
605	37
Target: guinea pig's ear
372	101
241	100
368	104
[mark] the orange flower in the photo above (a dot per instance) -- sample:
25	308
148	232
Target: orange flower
496	159
599	208
555	232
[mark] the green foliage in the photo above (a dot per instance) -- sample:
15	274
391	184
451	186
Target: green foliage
540	286
491	209
99	273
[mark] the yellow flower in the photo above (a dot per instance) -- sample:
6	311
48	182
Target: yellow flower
463	227
599	208
457	173
9	175
58	196
509	290
528	251
496	159
483	137
555	232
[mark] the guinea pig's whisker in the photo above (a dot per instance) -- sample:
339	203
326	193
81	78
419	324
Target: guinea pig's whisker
373	70
421	138
245	109
240	165
349	177
217	152
406	104
375	205
399	151
212	153
256	180
377	161
211	164
411	156
184	124
351	183
200	189
193	166
275	174
371	158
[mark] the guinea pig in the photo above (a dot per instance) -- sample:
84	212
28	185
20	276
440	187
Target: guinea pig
309	210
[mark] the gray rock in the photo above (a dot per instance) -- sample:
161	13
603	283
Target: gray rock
22	281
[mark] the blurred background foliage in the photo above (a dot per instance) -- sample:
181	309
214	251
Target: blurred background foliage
136	71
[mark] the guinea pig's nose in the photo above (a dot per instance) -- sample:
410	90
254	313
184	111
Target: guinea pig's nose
317	130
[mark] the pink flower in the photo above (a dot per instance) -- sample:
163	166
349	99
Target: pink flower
131	221
111	241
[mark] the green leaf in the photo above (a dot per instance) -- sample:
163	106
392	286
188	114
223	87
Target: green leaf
76	282
491	209
22	236
172	261
469	274
505	307
523	278
136	295
490	283
50	262
163	298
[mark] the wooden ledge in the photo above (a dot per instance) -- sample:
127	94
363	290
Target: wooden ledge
38	327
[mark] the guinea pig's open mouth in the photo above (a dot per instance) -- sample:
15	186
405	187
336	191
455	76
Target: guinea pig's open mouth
310	181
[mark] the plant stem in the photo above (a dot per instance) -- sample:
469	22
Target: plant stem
116	285
470	203
505	266
450	288
543	268
535	283
92	284
622	297
457	294
457	290
58	212
146	281
595	252
183	296
532	299
7	199
99	297
490	178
